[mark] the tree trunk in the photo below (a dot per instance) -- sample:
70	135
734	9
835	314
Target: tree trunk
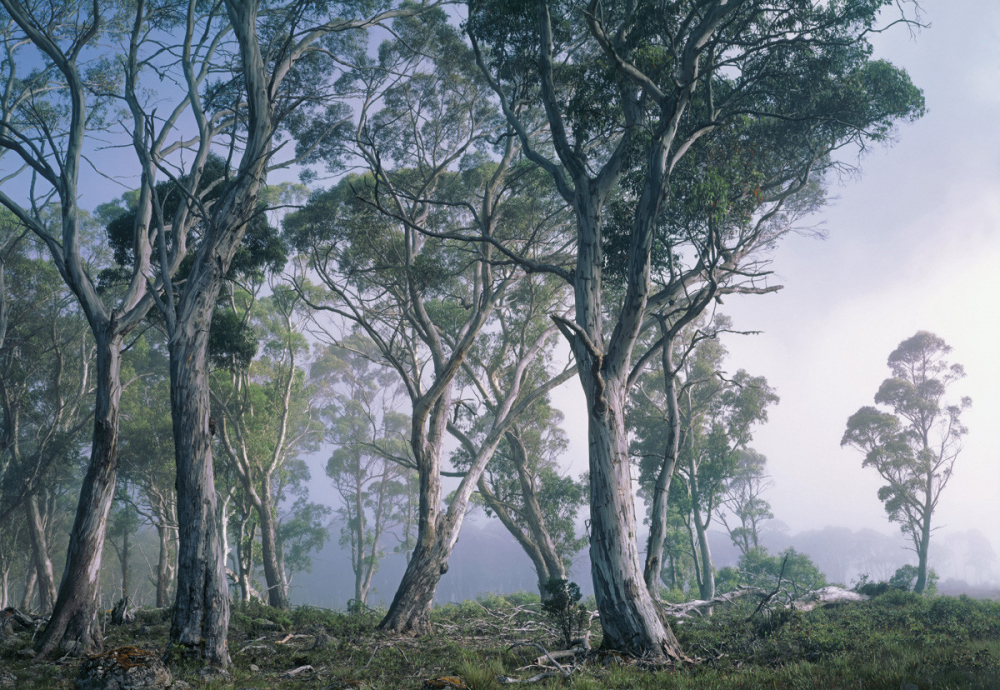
630	618
162	566
124	563
277	594
706	583
29	589
73	625
661	490
925	540
201	608
40	557
411	607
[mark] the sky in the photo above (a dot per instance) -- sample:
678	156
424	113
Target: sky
913	243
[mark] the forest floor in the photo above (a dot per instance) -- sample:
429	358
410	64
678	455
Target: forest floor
897	641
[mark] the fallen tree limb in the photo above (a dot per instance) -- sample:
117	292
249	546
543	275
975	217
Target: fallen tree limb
701	607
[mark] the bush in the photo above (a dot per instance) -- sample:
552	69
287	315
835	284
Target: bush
564	608
758	568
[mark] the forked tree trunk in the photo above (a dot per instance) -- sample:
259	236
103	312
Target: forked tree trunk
201	607
630	618
661	490
73	625
40	557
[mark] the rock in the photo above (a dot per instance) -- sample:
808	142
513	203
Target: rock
445	683
254	668
825	597
124	668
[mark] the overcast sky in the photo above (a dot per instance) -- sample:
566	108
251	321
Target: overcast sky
913	244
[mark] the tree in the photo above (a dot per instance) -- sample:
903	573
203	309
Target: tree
914	446
265	413
389	249
742	500
522	485
636	86
277	58
715	416
366	425
45	116
45	378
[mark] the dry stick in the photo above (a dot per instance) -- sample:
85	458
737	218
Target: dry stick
534	679
544	651
767	598
372	657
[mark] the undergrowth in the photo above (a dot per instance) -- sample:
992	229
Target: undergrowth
895	640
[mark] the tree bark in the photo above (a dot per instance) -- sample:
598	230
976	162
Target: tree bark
40	557
706	583
73	625
277	592
124	564
925	536
201	608
630	617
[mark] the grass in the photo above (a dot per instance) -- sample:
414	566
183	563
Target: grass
895	641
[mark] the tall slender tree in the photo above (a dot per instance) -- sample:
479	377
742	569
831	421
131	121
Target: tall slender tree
914	446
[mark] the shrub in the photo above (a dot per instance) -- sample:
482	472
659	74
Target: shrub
564	608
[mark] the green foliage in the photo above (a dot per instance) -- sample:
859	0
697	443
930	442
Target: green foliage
564	608
758	568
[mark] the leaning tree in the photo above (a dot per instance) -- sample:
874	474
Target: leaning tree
636	86
914	446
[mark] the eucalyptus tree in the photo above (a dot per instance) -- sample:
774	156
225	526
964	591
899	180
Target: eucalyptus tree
46	115
265	414
637	85
276	59
742	500
914	446
390	250
45	381
716	416
366	424
147	451
522	485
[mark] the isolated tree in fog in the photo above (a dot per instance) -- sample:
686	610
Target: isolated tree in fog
914	446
